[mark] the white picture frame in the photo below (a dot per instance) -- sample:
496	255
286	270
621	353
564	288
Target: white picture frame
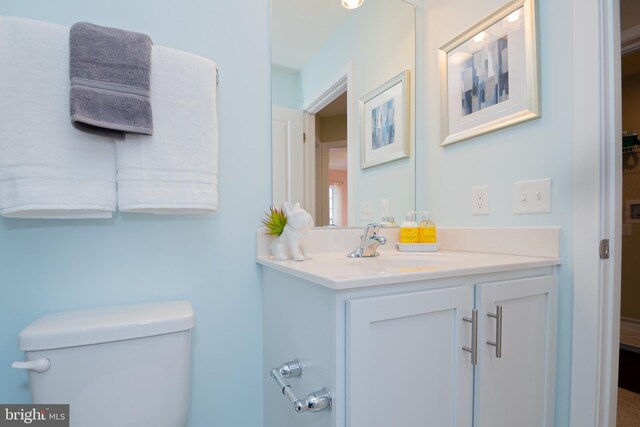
489	74
384	120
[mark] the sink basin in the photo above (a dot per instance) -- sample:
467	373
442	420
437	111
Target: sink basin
405	262
401	260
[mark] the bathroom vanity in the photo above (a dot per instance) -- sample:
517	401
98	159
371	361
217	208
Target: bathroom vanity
450	338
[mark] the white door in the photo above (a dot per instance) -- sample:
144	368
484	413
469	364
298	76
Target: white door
597	199
405	364
517	388
287	155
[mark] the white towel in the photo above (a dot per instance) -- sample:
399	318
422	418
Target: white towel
175	169
48	169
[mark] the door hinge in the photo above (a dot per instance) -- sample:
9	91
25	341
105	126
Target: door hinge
604	249
304	137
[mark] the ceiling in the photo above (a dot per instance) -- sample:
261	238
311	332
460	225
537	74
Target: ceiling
335	108
630	17
631	64
300	27
629	13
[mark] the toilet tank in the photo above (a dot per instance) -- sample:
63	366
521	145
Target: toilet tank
120	366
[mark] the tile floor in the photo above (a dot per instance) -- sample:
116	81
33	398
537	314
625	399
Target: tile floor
628	408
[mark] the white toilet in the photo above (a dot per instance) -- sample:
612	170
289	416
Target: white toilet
124	366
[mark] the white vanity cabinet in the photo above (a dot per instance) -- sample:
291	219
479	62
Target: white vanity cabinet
406	365
516	389
392	355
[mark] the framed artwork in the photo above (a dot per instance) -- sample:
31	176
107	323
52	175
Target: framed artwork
384	119
489	74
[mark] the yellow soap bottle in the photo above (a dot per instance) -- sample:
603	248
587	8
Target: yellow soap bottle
409	229
426	229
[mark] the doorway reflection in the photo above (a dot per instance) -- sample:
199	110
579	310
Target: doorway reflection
331	166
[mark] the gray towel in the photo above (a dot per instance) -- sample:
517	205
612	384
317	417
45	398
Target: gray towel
110	80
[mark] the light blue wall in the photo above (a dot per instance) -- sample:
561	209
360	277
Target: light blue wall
52	265
541	148
286	88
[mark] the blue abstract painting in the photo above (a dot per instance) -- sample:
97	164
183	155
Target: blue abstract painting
383	128
485	77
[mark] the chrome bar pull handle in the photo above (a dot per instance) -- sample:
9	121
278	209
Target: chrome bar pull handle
474	337
498	342
314	402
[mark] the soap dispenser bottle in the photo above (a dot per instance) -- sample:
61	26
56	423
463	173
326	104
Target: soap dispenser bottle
409	229
426	228
388	221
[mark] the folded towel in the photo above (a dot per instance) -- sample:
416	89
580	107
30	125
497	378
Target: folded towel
110	72
48	169
175	170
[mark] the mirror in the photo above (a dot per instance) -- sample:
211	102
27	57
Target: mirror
325	59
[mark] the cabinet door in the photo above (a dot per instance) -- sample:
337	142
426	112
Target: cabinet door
405	365
517	388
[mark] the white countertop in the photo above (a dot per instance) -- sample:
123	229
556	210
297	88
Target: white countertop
336	271
463	251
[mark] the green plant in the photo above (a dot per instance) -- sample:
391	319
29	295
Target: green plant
274	221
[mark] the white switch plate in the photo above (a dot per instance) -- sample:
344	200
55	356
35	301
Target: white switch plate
626	229
386	207
366	211
480	200
532	196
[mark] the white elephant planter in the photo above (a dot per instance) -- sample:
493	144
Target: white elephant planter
290	244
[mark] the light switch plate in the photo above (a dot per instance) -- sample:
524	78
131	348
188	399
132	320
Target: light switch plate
532	196
386	207
480	200
626	229
366	211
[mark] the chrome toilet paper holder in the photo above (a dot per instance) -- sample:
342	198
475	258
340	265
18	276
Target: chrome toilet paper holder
313	402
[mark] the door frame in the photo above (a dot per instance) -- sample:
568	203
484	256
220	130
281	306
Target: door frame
334	87
596	212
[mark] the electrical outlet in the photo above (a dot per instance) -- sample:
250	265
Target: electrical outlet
480	200
532	196
366	211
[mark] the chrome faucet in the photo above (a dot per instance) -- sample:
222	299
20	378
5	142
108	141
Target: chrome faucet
369	242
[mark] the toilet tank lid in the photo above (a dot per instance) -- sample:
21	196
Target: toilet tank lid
106	324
